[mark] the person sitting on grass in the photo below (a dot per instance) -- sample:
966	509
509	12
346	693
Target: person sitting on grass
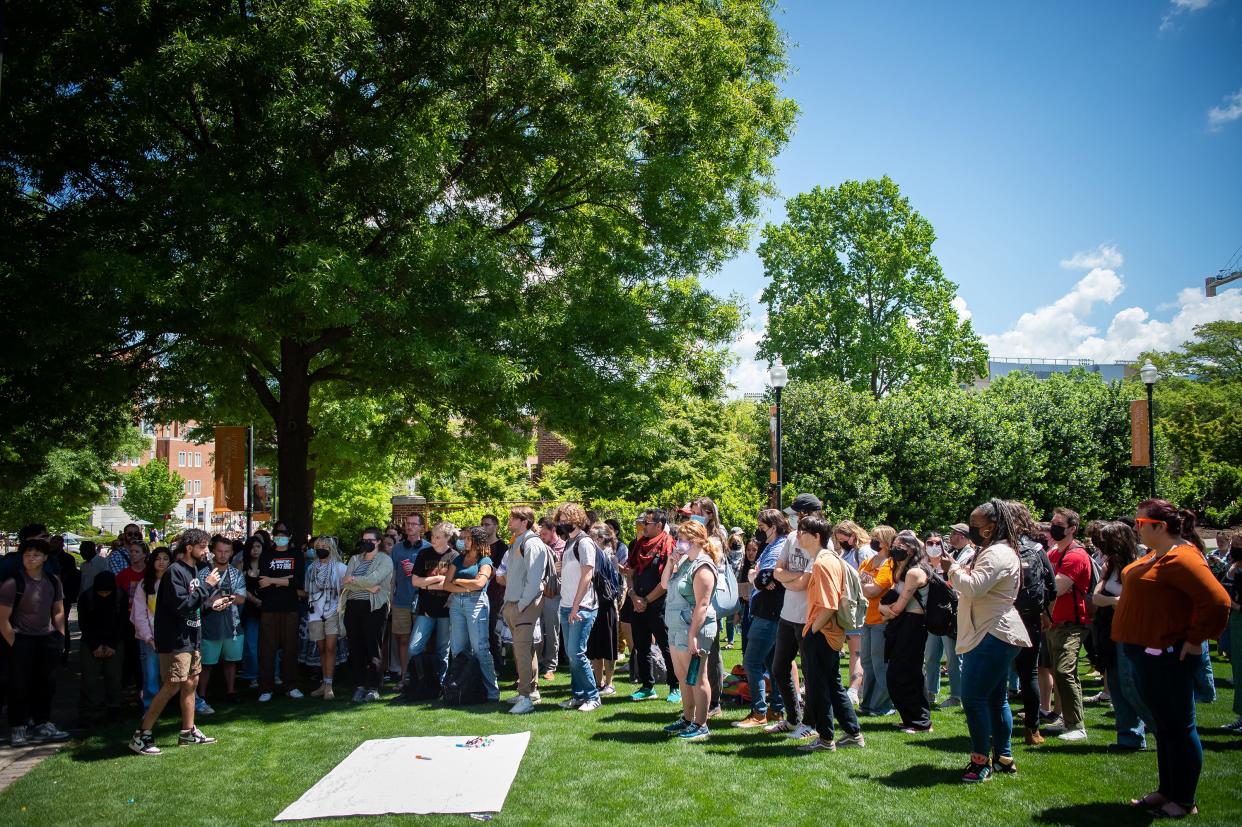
178	635
690	580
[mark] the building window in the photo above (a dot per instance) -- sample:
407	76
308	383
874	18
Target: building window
198	460
198	486
186	485
181	459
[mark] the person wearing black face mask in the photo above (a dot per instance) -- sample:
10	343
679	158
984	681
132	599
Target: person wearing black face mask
102	616
905	637
1068	623
282	570
877	578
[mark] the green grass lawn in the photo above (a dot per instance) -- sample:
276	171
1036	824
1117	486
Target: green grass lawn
614	766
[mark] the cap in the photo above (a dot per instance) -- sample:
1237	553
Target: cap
735	530
684	510
960	528
806	503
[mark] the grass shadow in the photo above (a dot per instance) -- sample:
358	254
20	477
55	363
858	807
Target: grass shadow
1102	813
637	736
919	775
959	744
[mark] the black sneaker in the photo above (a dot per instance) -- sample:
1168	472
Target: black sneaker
1004	765
193	737
143	743
977	773
230	698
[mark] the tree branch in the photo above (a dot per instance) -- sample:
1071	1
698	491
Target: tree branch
261	390
198	117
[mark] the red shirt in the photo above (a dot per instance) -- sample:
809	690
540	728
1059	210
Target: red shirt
1071	607
128	580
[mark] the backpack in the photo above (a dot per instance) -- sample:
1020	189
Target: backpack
20	581
725	596
1091	584
605	579
551	580
422	680
463	686
852	610
941	608
1038	582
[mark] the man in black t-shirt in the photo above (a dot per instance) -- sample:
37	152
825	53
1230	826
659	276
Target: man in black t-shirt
281	569
178	633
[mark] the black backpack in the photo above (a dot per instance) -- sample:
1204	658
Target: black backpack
463	686
422	678
1038	583
605	578
941	606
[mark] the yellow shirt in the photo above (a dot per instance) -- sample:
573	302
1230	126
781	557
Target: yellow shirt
884	579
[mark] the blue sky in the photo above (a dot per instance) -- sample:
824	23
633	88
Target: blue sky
1081	162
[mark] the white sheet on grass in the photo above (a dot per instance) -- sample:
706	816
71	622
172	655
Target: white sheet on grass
384	776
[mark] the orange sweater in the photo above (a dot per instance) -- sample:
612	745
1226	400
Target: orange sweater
1169	600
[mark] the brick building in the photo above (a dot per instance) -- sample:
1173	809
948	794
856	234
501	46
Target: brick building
191	461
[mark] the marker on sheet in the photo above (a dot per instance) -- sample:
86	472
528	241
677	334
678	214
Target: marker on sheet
422	757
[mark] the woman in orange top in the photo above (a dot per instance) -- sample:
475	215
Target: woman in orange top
1170	603
877	578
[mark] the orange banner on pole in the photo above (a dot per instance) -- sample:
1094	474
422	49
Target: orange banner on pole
1140	434
230	462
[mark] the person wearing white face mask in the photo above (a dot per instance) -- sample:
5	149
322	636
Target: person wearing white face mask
281	570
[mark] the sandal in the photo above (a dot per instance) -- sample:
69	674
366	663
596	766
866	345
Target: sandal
1181	812
1150	801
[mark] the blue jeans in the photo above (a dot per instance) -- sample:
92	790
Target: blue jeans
757	660
581	678
938	645
1235	658
874	699
468	619
425	627
1130	714
1205	681
150	661
985	696
1166	684
250	650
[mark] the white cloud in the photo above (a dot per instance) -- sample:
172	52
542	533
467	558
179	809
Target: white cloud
1177	7
1106	255
1061	331
963	312
747	375
1228	112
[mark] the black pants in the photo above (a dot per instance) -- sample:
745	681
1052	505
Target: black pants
904	642
32	664
365	630
645	626
788	643
1027	667
825	695
715	671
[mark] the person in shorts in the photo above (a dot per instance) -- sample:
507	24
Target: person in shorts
323	597
223	638
178	633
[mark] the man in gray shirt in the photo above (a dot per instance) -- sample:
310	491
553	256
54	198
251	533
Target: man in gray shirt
525	566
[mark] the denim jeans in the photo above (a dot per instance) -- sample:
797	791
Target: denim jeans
1235	658
581	678
150	661
468	629
757	660
985	696
874	699
1130	715
1205	681
1166	684
938	645
250	650
424	628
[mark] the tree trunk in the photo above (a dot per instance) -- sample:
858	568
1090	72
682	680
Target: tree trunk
293	436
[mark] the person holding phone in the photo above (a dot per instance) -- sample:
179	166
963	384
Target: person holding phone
222	629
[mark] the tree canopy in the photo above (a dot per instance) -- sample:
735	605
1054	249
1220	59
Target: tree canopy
856	294
152	491
475	210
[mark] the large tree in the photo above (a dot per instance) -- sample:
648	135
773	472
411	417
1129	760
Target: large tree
856	294
152	491
472	210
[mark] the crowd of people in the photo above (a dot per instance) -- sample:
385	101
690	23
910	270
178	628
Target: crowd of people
1007	605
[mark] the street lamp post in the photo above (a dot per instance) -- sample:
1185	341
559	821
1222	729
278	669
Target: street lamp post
779	378
1150	374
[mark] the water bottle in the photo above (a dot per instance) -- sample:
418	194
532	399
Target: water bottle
696	664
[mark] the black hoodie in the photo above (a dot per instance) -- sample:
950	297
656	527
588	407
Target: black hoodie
103	619
177	609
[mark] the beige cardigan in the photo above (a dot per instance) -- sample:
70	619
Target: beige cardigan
380	574
985	599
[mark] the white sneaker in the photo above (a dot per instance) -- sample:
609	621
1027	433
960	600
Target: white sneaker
523	706
204	709
778	726
803	731
852	694
265	697
296	694
1073	735
608	690
591	706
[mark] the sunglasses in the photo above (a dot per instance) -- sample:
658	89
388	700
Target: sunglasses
1147	521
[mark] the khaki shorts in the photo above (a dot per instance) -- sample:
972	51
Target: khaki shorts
402	621
180	667
318	630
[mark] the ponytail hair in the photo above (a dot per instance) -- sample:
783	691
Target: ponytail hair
1178	522
1189	533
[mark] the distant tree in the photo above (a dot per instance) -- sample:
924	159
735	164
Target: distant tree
855	293
152	491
